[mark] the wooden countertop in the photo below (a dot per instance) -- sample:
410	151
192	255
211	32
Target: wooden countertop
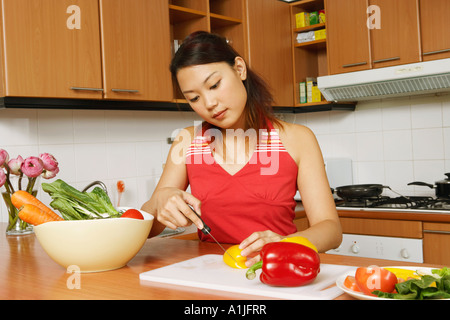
410	215
27	272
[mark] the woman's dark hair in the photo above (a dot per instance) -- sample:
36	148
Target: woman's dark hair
202	48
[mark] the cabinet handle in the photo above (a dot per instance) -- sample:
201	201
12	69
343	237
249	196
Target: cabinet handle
435	52
354	64
435	231
125	90
86	89
386	60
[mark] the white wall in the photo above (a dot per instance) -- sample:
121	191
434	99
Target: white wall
95	145
392	142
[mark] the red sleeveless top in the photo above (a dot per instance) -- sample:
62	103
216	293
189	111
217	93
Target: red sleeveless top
259	197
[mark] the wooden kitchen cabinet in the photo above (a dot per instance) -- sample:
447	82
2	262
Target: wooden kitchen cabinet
310	58
46	53
382	227
436	243
136	49
396	42
434	27
360	39
113	49
270	47
348	36
227	18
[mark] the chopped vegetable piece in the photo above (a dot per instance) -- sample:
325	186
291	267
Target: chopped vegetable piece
234	252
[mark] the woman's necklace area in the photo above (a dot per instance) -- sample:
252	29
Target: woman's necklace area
233	148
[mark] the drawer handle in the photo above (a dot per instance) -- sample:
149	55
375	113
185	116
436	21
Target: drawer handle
435	52
436	231
125	90
386	60
354	64
85	89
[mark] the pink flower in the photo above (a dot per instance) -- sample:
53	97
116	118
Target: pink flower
15	165
50	174
32	167
2	178
4	157
49	161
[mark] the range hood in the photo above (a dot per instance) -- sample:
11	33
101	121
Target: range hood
404	80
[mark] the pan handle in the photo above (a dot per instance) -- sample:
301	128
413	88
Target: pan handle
418	183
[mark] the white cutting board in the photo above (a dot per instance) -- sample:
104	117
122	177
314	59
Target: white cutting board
210	272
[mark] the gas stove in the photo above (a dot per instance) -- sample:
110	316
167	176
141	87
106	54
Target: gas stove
421	204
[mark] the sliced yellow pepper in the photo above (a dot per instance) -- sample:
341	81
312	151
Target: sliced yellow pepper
301	240
404	274
235	253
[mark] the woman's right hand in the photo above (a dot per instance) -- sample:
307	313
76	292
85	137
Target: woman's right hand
173	208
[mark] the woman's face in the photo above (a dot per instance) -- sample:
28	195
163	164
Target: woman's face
216	93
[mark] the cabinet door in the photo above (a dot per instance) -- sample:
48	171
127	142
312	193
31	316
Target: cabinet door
348	36
51	46
396	42
270	47
436	241
435	29
136	49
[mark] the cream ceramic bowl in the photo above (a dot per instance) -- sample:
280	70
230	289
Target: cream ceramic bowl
94	245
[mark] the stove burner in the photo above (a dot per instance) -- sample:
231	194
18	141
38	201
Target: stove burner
413	202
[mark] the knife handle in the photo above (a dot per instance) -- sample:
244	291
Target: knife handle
206	230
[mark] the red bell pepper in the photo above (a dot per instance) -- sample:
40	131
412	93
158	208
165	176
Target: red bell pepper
286	264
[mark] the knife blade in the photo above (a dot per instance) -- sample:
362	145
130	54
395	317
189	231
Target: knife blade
207	231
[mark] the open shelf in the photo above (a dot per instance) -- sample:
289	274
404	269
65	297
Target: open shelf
180	14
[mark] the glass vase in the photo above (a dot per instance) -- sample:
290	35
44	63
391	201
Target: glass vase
16	226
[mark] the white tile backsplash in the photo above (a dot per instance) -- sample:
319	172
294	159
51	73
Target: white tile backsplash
396	114
96	145
426	113
392	142
428	144
397	145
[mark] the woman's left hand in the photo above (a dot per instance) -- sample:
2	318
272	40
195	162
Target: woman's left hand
255	242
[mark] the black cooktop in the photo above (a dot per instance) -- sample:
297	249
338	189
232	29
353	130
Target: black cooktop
413	202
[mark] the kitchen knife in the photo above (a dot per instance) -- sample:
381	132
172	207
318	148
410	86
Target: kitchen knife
207	231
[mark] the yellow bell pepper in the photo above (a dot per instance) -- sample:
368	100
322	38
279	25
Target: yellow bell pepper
404	274
239	260
300	240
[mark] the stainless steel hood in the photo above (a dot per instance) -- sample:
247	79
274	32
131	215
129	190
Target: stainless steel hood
404	80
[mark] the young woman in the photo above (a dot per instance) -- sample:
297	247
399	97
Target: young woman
242	164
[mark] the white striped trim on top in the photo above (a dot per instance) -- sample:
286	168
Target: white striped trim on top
268	142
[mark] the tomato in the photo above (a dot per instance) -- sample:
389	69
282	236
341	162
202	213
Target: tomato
375	278
350	283
239	260
132	213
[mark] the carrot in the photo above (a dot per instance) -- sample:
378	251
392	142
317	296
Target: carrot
34	215
21	198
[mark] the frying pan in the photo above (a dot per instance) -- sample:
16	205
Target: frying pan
357	191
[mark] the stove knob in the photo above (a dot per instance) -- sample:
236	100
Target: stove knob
404	253
355	248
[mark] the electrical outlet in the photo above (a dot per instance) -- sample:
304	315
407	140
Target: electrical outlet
280	116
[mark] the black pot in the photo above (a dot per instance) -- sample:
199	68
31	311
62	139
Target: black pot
360	191
442	186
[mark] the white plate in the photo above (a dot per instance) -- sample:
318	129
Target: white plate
362	296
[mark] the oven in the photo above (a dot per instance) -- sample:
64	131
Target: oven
374	201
